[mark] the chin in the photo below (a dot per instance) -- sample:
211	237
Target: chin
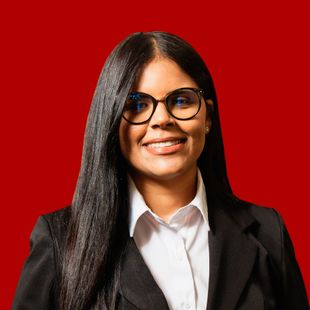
167	172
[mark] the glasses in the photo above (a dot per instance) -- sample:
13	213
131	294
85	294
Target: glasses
182	104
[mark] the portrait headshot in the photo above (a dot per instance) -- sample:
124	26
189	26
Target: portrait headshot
155	156
154	222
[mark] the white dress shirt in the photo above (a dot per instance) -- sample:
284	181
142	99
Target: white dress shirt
176	252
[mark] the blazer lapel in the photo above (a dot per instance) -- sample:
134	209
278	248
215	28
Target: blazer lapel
137	283
232	255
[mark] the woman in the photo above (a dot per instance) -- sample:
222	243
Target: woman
154	223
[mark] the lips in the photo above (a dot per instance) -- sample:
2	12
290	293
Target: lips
164	142
164	146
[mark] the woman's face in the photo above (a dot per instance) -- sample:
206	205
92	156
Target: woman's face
142	145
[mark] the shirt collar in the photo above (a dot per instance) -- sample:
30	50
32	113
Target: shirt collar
137	205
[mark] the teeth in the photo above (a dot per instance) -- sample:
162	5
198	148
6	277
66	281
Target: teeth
164	144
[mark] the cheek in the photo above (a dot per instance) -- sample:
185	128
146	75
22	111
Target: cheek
198	129
196	137
129	136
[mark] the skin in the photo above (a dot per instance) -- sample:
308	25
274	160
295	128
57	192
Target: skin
165	176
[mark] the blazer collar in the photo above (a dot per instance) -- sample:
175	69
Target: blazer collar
232	257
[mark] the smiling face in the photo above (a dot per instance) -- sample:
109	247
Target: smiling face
163	148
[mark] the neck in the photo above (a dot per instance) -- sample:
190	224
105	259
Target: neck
165	197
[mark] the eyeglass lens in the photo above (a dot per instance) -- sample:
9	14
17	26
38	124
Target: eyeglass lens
181	104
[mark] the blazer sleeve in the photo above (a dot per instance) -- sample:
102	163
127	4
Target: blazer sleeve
295	295
35	286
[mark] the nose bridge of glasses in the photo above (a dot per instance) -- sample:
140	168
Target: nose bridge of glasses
163	100
163	108
157	101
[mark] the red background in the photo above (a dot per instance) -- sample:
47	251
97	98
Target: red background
51	56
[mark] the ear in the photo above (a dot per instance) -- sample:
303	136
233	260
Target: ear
210	106
208	122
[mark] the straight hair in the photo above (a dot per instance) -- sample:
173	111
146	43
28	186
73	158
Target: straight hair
98	226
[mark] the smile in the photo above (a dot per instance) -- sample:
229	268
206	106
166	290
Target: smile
164	143
165	146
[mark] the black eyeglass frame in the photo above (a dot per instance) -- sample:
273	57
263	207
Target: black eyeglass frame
199	92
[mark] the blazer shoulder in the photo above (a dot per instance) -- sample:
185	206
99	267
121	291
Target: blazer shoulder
268	221
267	227
58	222
38	284
264	215
255	218
272	233
58	217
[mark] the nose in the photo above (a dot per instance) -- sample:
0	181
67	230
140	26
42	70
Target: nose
161	117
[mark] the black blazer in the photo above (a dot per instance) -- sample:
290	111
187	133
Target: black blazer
252	265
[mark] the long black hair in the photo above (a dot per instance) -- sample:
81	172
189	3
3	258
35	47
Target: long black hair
98	225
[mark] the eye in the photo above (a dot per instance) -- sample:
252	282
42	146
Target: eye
181	100
136	103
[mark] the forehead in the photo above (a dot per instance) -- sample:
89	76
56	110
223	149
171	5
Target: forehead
161	76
